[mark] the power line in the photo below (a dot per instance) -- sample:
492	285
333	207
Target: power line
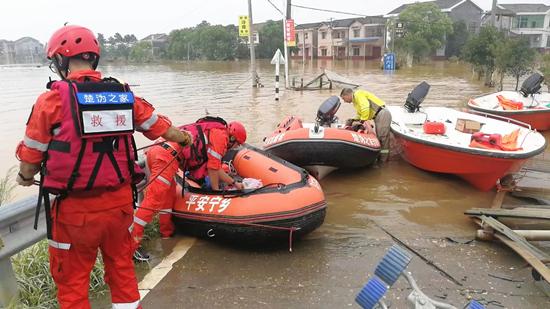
273	5
325	10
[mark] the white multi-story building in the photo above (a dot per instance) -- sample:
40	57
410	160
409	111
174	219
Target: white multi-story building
531	21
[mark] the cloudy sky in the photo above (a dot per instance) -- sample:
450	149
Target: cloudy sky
39	18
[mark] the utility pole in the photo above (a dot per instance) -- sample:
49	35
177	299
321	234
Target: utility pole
494	14
252	51
188	44
332	41
287	60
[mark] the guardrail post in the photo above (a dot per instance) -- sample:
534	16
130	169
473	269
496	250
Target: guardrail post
8	284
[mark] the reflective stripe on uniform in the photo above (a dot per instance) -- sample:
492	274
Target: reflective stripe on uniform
214	154
147	124
166	211
166	181
34	144
385	151
131	228
59	245
140	221
133	305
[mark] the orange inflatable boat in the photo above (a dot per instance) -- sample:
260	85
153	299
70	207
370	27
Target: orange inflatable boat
290	202
323	146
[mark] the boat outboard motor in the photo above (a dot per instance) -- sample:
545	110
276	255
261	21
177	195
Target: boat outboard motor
416	97
531	85
326	115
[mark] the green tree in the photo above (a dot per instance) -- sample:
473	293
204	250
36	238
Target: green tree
514	57
425	30
215	43
457	39
480	51
179	44
545	69
141	52
271	38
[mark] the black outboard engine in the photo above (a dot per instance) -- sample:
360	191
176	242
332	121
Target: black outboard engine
416	97
531	85
326	115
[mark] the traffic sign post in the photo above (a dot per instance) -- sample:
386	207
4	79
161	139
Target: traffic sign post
277	60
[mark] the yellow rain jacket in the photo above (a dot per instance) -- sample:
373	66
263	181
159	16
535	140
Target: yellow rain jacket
362	101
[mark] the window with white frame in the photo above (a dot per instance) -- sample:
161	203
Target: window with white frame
356	51
323	35
323	51
356	33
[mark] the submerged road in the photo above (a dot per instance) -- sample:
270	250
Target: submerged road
329	267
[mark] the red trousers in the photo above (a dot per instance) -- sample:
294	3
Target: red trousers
160	195
76	238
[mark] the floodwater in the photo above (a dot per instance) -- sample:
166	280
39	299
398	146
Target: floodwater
328	267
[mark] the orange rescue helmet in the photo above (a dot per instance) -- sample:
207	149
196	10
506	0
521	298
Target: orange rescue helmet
70	41
237	131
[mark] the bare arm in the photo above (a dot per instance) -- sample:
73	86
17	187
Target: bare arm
173	134
27	171
216	176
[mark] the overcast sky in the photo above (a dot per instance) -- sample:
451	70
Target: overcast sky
39	18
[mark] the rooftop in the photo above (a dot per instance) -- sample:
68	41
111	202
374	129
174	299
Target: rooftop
444	5
527	7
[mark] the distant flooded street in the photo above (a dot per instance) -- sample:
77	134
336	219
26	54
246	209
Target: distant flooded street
329	266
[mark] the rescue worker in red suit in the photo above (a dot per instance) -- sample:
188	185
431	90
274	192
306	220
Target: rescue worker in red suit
160	195
83	221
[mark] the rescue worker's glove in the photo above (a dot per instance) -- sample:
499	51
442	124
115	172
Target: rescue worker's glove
186	139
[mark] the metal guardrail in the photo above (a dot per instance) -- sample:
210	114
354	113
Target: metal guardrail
16	234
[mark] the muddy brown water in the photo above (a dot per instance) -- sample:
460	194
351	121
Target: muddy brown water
329	266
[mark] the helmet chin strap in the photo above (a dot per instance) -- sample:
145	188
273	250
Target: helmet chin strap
61	66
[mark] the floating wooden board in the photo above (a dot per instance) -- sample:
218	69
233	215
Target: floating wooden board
530	206
538	164
534	182
540	198
528	256
519	240
528	213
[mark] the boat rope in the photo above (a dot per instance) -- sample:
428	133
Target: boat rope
290	230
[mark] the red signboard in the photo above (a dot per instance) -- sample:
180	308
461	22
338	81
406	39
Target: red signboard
290	33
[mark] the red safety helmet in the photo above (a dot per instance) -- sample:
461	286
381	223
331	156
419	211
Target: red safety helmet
71	41
237	131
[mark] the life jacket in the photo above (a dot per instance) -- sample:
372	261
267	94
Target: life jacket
93	147
508	104
495	141
194	157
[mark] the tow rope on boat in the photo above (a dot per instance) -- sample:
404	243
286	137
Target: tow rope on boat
290	230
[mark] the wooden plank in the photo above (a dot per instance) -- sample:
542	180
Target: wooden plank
534	182
543	199
520	241
528	206
497	201
538	164
529	213
527	256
